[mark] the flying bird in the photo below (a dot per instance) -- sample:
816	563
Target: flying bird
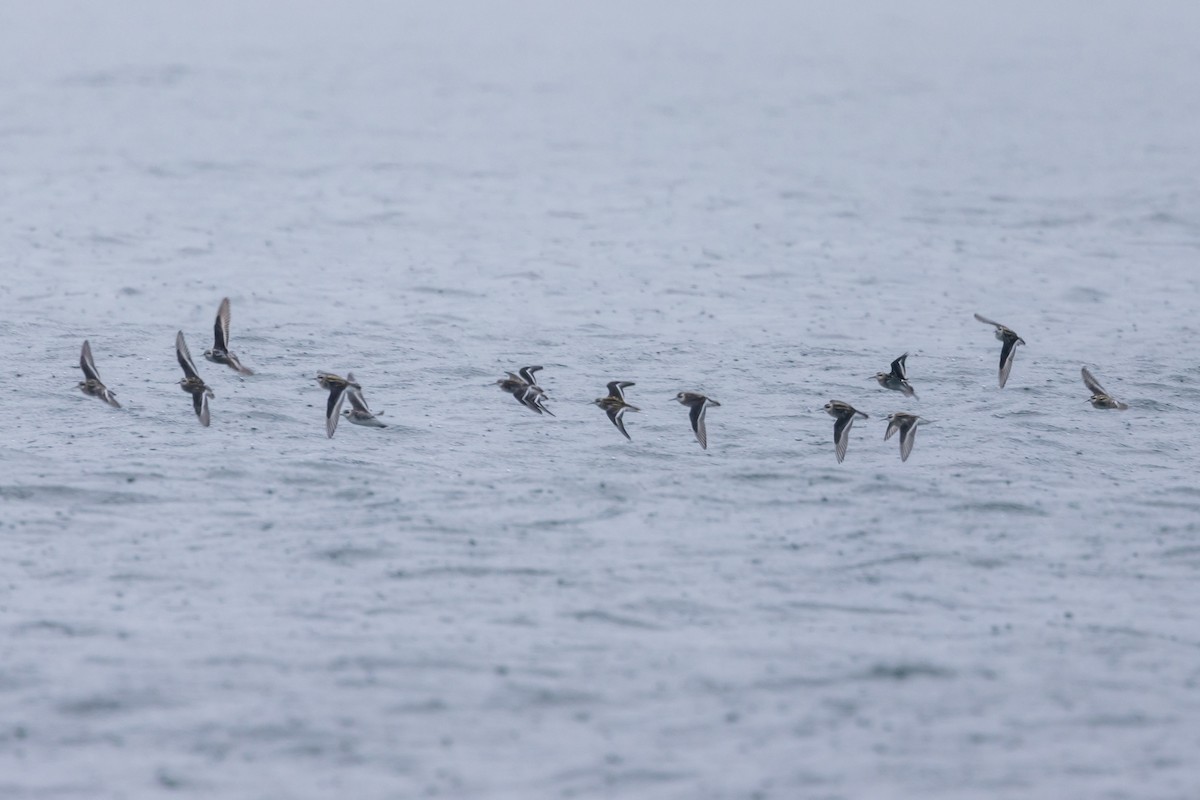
524	389
615	406
843	414
1008	349
907	425
337	386
220	354
93	386
358	413
697	406
191	382
1100	398
897	379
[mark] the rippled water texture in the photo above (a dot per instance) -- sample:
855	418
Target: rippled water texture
766	202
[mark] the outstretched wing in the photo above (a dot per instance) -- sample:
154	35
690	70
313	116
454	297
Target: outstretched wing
987	321
617	417
333	410
1091	383
221	327
87	364
697	417
908	435
841	434
527	374
356	400
521	396
898	367
184	356
616	389
892	427
200	403
1007	351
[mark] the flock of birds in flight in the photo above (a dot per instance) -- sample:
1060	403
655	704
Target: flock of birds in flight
523	386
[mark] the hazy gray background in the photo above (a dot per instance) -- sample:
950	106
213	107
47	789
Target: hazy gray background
765	201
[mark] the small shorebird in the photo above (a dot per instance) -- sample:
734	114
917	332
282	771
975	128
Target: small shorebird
358	413
93	386
337	386
615	406
843	414
897	379
1009	349
907	425
219	354
524	389
191	382
697	405
1100	398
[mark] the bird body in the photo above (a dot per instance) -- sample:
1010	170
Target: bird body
337	386
191	381
897	379
843	414
615	406
92	386
220	353
1100	398
359	413
524	389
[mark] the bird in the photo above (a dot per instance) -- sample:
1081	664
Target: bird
907	425
1010	339
191	382
697	404
93	386
524	389
615	406
358	413
898	378
337	386
534	396
843	414
1100	398
219	354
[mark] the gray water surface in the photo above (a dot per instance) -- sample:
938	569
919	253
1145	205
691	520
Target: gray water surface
766	202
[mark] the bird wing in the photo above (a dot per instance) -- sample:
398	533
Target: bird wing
841	433
184	356
615	389
357	401
238	365
697	417
987	321
1007	351
898	367
1091	383
200	404
527	374
908	435
333	410
616	414
221	327
87	364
